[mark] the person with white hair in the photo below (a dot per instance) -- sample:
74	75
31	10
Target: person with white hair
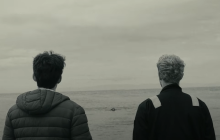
173	114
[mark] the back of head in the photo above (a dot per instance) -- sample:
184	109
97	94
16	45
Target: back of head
48	68
170	68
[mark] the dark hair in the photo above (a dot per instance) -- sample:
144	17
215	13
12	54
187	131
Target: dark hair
48	68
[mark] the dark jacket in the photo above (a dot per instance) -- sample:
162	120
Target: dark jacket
45	115
175	119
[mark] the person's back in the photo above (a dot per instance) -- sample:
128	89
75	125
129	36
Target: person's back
44	114
172	114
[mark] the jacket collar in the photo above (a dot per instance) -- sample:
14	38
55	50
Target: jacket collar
40	101
171	87
46	89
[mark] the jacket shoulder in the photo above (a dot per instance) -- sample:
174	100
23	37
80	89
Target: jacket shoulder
202	104
73	106
146	104
151	101
14	107
195	100
12	112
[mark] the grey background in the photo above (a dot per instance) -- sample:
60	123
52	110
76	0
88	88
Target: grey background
109	44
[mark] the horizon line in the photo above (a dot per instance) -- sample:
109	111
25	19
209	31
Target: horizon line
118	89
134	89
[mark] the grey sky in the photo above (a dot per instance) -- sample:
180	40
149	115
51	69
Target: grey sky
109	44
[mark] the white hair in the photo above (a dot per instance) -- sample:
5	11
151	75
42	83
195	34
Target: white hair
170	68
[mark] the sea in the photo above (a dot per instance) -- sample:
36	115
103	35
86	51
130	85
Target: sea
118	125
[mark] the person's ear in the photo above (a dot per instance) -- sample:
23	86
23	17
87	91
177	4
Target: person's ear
34	78
60	79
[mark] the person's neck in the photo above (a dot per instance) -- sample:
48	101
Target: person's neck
164	84
54	88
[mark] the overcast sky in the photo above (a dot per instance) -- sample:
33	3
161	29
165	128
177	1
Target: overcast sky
109	44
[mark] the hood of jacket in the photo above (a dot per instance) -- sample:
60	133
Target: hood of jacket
39	101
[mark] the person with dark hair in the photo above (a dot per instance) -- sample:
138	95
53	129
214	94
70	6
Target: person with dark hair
44	114
173	114
48	69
